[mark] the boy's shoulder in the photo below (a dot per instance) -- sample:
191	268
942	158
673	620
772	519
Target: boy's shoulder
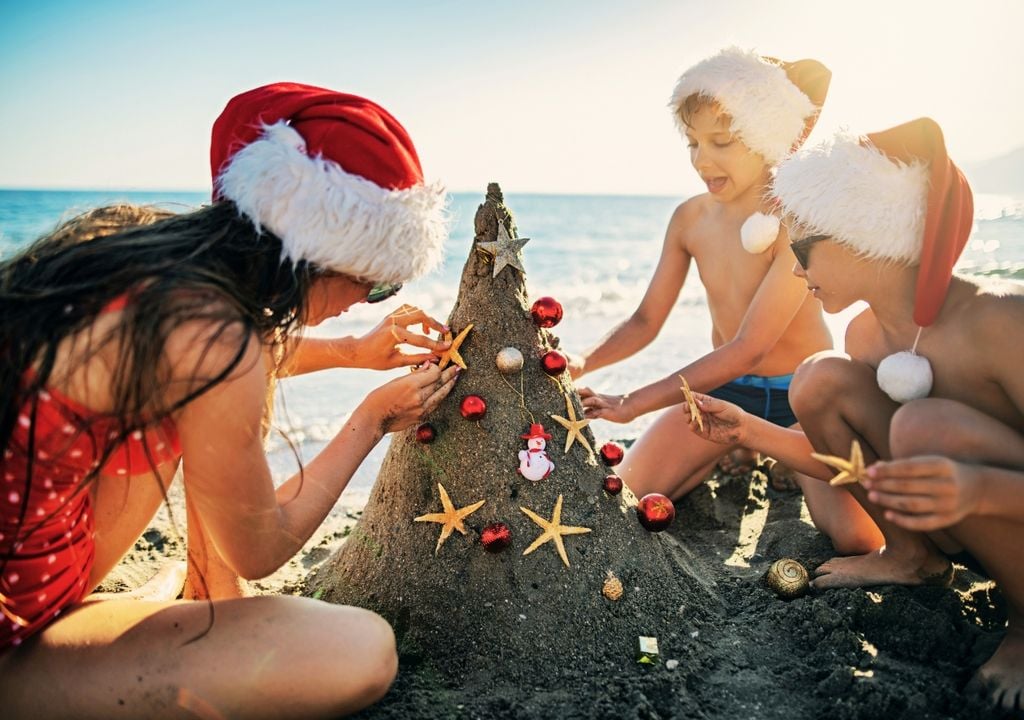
993	306
690	213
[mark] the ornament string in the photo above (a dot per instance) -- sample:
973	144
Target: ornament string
525	411
917	340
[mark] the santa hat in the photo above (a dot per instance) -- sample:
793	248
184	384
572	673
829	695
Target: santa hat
536	431
334	176
773	106
893	195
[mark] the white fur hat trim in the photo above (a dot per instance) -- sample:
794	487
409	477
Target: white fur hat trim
332	218
759	232
905	376
857	194
768	111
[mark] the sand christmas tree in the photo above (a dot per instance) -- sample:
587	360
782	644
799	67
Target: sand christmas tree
494	540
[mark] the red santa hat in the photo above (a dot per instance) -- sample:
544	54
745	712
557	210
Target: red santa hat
334	176
893	195
536	431
773	104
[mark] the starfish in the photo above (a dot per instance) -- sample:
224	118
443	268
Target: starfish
553	530
451	518
505	250
452	353
573	426
691	404
852	470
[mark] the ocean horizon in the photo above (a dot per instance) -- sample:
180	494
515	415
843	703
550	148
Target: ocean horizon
594	253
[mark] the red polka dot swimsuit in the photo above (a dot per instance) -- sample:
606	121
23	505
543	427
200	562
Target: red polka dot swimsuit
47	540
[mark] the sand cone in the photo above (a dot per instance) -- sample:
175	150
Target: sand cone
507	616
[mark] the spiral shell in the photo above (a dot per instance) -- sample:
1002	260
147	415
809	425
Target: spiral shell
787	578
612	588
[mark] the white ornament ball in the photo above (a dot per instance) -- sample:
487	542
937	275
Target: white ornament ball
905	376
758	232
509	360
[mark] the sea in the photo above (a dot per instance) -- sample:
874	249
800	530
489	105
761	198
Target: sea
594	254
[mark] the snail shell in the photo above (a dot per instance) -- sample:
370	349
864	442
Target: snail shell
787	578
612	588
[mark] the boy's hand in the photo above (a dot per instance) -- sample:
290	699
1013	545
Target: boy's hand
724	423
924	493
577	365
615	408
405	401
378	349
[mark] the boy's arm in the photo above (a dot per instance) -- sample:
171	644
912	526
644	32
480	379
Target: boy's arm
637	331
775	304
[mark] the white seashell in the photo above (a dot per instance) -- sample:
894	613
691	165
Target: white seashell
509	360
758	232
905	376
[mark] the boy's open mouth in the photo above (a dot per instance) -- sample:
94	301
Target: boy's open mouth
715	184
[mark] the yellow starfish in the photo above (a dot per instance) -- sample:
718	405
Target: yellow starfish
691	404
450	519
852	470
553	530
452	353
573	426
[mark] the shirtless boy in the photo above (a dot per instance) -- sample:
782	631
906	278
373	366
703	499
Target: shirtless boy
741	114
883	219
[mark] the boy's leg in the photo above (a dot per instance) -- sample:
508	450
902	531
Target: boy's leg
838	399
668	458
263	657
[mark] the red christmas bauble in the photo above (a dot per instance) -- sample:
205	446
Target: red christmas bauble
611	453
546	312
612	484
473	407
426	433
496	537
655	512
553	363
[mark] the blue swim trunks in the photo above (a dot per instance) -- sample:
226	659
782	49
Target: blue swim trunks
766	397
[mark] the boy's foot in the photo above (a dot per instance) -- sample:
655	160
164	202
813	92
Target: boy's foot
737	463
780	477
920	567
1002	677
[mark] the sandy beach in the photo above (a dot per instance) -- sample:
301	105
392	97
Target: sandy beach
889	652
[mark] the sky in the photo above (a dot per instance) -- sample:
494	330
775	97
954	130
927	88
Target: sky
542	96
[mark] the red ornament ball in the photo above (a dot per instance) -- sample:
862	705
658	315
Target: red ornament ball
655	512
496	537
612	484
611	453
426	433
546	312
473	407
553	363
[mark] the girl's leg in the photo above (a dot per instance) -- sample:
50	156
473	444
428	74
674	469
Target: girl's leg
261	657
952	429
838	399
669	458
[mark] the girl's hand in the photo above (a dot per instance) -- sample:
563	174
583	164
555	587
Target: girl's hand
924	493
724	423
615	408
405	401
378	349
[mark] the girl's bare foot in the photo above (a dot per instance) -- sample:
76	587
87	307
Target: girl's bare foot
918	566
165	585
1002	677
737	463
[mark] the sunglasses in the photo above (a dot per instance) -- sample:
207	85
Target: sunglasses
802	248
380	293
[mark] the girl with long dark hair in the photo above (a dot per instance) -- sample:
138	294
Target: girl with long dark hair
134	341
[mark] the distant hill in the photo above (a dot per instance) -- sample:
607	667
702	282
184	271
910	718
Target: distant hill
1003	174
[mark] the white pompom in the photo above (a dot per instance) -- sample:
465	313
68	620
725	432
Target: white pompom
905	376
758	232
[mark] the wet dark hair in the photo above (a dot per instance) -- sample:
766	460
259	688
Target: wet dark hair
211	265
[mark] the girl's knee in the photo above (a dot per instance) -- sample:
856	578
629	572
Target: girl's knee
368	637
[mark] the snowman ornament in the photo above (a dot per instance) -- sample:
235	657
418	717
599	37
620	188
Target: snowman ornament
534	464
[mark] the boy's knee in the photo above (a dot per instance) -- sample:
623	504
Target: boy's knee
817	380
920	427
